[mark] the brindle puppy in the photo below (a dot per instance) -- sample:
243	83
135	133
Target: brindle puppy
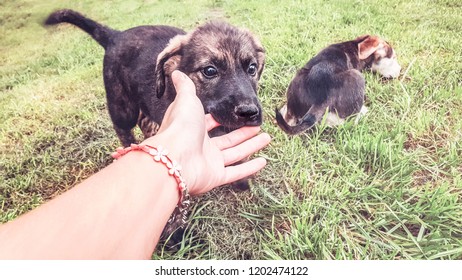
224	62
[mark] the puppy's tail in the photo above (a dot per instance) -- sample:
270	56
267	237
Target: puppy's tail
102	34
303	124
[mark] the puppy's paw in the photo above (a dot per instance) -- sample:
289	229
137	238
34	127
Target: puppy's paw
241	185
361	114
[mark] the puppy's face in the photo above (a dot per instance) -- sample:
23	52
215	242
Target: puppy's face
382	56
225	64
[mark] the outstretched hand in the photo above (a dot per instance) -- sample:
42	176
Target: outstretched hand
206	162
112	218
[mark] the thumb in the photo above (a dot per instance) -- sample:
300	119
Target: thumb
184	86
186	106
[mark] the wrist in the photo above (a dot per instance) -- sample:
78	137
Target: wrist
159	155
150	175
177	151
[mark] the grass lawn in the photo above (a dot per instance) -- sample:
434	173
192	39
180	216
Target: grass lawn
387	188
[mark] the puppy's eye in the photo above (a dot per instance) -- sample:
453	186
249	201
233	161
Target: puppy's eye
252	69
210	72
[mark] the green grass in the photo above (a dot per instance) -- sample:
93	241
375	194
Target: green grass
387	188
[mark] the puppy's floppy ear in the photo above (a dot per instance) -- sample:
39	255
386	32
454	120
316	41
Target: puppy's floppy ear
260	54
260	59
253	44
259	49
168	60
367	45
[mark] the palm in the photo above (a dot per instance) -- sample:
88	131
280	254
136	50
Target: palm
206	161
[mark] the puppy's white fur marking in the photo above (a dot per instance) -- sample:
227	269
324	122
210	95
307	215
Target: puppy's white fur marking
363	111
361	114
289	121
387	67
332	119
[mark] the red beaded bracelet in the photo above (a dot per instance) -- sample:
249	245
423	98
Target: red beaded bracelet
159	154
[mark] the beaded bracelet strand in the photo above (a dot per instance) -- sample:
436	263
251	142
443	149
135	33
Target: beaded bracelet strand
160	155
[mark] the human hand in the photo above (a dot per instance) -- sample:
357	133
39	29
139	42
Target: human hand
206	162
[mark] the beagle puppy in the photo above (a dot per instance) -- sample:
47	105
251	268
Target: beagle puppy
332	83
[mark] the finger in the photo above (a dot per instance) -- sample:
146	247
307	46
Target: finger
235	137
245	149
184	86
210	122
186	108
240	171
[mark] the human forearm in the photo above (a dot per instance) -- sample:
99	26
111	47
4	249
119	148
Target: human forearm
106	216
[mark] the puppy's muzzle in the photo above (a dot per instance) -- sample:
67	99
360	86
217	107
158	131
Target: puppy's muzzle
249	114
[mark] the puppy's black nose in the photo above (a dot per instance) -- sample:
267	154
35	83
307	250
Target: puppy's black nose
248	112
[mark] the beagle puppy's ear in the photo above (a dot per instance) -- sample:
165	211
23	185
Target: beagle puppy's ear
367	46
168	61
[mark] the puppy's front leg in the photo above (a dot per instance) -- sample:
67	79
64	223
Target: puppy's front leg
242	184
147	126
